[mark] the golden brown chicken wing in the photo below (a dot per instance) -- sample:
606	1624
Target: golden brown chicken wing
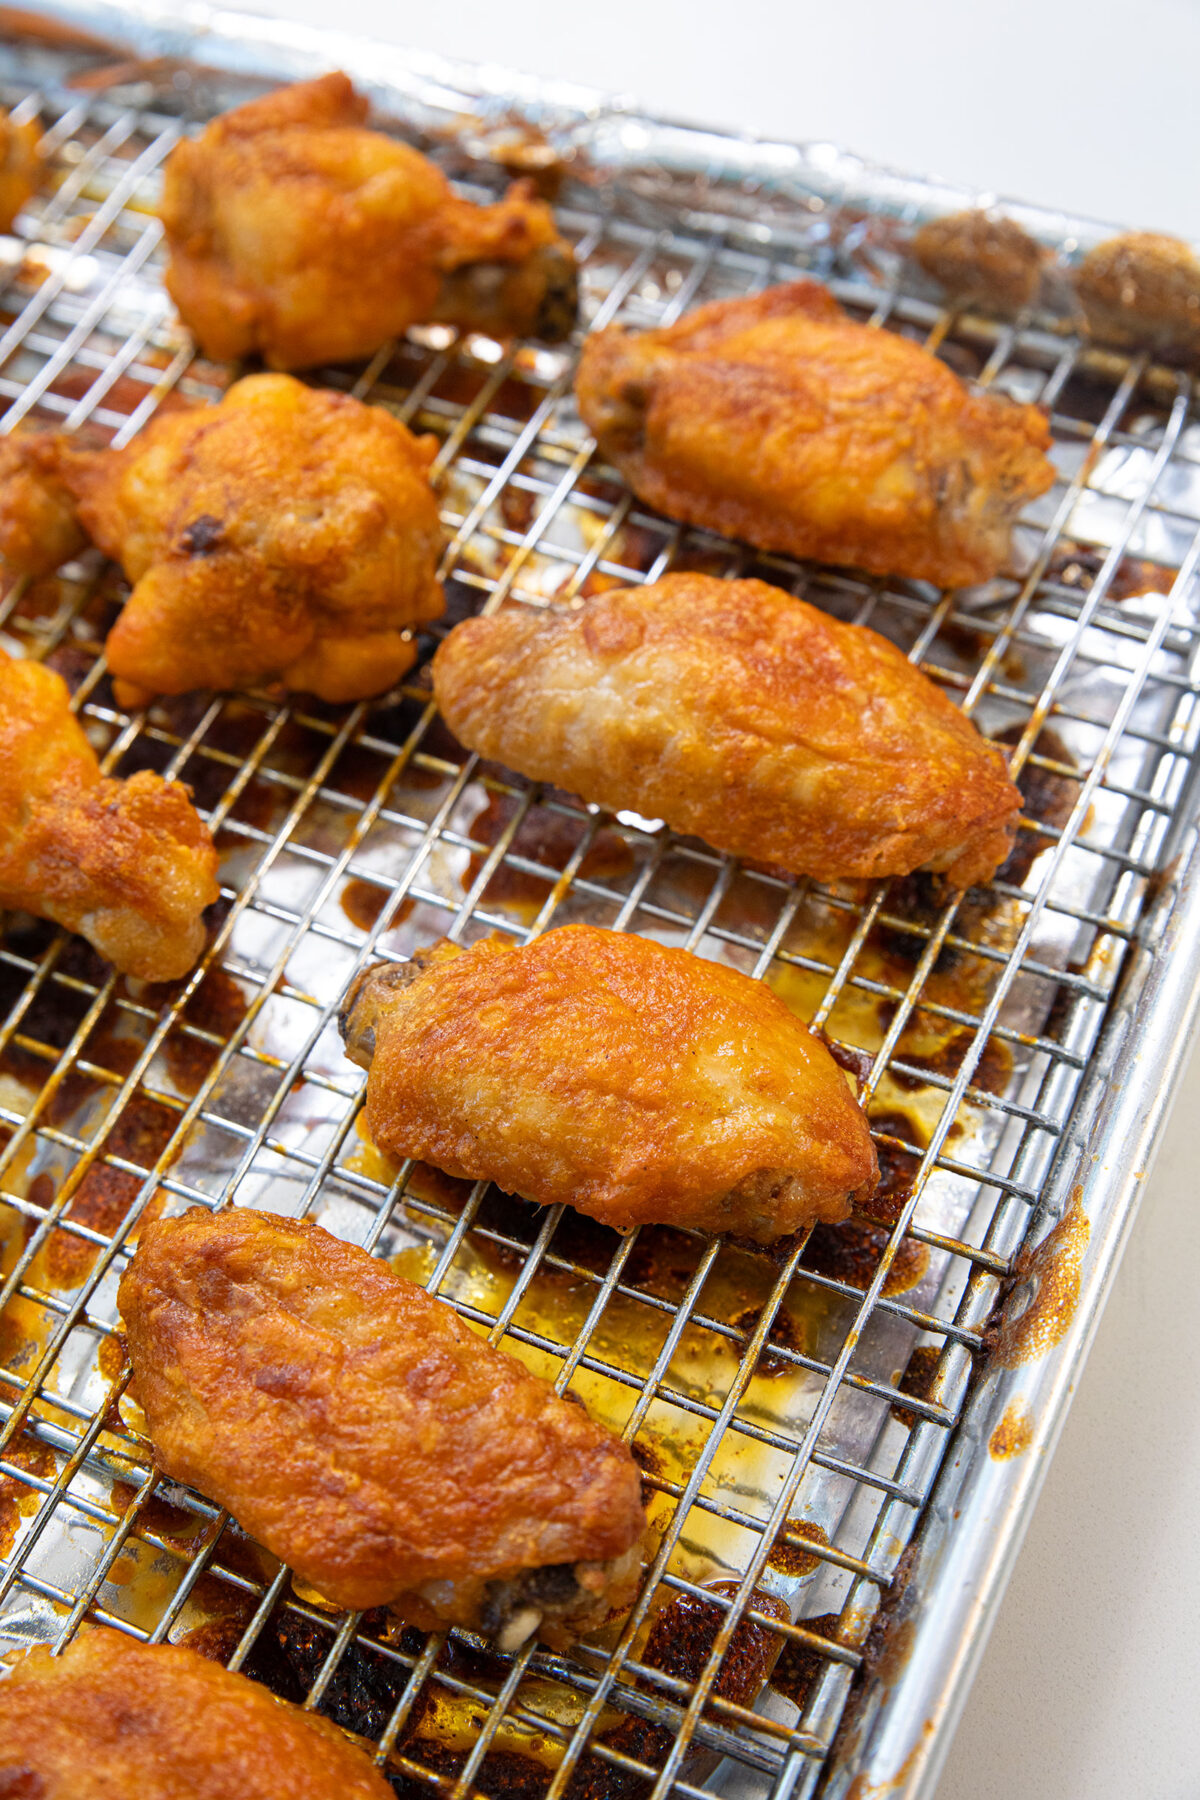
1142	289
297	234
113	1719
362	1432
20	168
981	258
39	526
735	712
636	1083
286	535
778	420
127	864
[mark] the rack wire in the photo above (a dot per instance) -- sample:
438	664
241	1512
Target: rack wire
790	1408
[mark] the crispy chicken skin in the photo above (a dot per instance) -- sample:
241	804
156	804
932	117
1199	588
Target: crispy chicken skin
127	864
39	526
284	536
636	1083
778	420
741	715
20	168
1143	288
299	235
113	1719
362	1432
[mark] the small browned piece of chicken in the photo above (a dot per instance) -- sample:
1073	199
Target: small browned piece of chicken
976	257
127	864
362	1432
299	235
778	420
113	1719
39	526
739	714
284	536
20	167
637	1083
1142	290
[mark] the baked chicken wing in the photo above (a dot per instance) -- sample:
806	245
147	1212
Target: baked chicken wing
127	864
284	536
778	420
299	235
20	169
739	714
39	526
114	1719
363	1433
636	1083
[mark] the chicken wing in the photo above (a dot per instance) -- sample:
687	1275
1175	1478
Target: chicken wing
39	526
114	1719
20	169
636	1083
1143	288
778	420
127	864
286	535
362	1432
298	234
735	712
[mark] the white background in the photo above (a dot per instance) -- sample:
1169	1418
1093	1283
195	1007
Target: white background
1089	1687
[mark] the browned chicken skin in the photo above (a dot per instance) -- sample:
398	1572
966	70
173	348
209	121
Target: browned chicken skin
127	864
636	1083
284	536
39	526
299	235
977	257
20	167
362	1432
739	714
778	420
1143	289
113	1719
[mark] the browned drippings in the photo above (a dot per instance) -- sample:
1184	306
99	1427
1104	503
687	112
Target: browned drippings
897	1167
851	1252
139	1134
1076	566
1048	798
157	1516
916	1380
363	903
799	1665
1014	1434
17	1500
783	1334
1052	1272
790	1559
218	1006
547	838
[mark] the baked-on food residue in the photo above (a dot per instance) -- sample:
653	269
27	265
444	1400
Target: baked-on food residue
1051	1272
114	1719
735	712
127	864
286	535
1014	1434
635	1082
298	234
20	166
363	1433
779	420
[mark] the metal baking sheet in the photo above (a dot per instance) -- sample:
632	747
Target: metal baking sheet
842	1438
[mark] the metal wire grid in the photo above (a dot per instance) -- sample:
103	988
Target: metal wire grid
530	518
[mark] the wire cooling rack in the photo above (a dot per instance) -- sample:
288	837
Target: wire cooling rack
793	1410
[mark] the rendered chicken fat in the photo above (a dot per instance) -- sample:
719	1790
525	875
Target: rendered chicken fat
369	1438
735	712
635	1082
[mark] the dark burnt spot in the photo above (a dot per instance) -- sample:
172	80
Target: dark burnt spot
218	1006
915	900
898	1166
548	838
858	1063
202	536
992	1072
682	1637
782	1334
800	1665
916	1380
21	1784
851	1253
1048	796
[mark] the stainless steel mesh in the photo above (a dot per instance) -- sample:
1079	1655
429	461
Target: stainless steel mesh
790	1409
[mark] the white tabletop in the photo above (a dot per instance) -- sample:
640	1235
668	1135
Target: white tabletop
1088	1688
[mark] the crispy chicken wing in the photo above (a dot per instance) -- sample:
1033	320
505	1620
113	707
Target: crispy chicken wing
778	420
127	864
113	1719
637	1083
298	234
1143	288
39	526
362	1432
20	168
735	712
286	535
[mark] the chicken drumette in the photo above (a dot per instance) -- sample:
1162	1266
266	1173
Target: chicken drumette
113	1719
299	235
778	420
127	864
362	1432
284	536
637	1083
20	168
739	714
